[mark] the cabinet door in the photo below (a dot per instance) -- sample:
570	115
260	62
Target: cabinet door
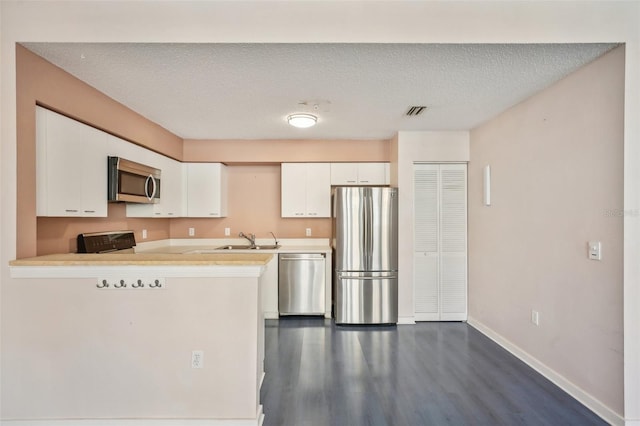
71	164
371	174
318	191
293	183
171	197
344	173
94	173
59	154
205	185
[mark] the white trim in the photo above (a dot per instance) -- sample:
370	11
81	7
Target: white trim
635	422
583	397
271	315
167	271
141	422
406	321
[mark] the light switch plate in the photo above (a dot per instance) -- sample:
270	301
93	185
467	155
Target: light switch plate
595	250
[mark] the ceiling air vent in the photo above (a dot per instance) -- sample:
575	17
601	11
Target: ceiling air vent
415	111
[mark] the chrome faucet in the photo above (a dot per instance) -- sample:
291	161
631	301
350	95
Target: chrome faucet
275	240
250	237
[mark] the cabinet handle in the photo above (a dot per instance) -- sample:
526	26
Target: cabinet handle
313	214
157	214
71	211
351	181
89	211
299	214
364	181
213	214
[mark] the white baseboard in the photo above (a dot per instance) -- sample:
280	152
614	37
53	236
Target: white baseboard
138	422
141	422
271	315
406	320
586	399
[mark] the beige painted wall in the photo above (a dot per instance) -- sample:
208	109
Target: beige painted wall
282	151
254	207
557	182
73	352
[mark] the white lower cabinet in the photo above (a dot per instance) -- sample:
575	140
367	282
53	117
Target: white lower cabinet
440	244
71	164
306	190
206	189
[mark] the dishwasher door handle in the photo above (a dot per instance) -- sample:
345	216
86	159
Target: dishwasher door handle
306	259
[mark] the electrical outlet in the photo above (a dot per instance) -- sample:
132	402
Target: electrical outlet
535	317
308	232
144	234
227	232
197	359
192	232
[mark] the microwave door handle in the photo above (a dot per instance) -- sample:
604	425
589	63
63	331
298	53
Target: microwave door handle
146	187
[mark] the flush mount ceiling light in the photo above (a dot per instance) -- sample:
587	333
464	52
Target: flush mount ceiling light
301	120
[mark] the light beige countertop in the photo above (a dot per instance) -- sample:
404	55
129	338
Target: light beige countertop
147	259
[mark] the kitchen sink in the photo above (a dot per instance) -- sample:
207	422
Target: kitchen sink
234	247
257	247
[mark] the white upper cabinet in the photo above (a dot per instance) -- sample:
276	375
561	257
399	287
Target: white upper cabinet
71	164
206	189
306	190
359	174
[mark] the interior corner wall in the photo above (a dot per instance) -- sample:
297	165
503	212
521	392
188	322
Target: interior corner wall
556	183
39	81
413	147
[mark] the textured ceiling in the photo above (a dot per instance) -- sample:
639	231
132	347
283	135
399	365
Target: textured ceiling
359	91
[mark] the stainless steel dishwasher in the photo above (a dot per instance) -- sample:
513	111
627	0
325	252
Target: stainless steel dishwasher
301	284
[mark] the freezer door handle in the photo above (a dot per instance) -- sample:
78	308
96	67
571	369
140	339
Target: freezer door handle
351	277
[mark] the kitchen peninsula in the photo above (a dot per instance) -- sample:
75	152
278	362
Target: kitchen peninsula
178	337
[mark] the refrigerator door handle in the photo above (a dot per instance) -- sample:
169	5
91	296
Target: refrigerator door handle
351	277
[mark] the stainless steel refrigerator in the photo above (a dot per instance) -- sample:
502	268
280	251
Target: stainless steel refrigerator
365	249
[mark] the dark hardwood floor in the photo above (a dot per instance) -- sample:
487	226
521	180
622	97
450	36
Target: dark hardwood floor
429	374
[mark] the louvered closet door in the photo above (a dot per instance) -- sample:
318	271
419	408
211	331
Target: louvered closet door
440	258
453	237
426	246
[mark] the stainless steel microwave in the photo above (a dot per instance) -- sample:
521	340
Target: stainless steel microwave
133	182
